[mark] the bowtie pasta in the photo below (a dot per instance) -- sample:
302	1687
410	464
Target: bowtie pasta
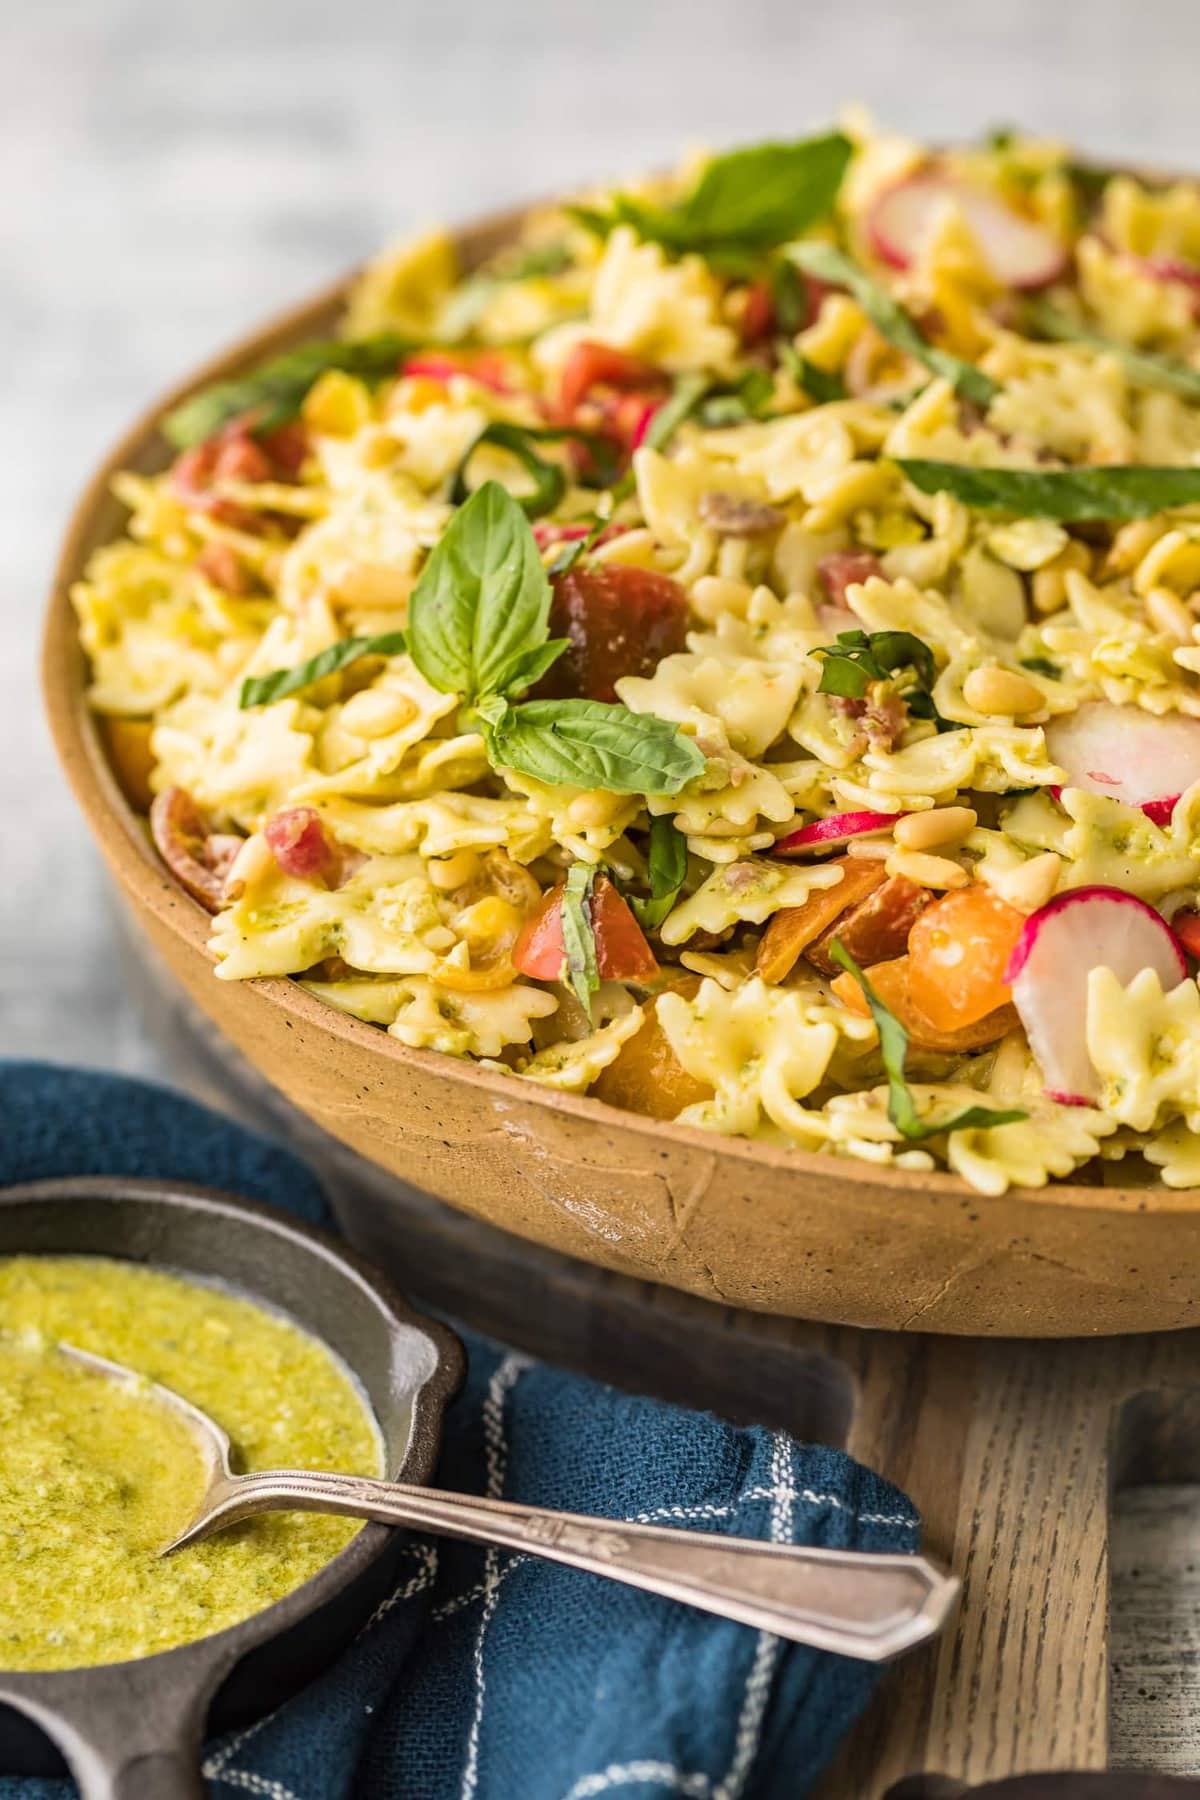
734	653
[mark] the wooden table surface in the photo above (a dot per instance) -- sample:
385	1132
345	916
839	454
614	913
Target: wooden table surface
173	173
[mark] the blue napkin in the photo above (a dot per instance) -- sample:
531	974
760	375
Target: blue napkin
490	1675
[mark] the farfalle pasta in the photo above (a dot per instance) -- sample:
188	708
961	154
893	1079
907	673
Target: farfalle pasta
736	653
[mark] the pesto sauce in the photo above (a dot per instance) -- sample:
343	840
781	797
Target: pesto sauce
95	1477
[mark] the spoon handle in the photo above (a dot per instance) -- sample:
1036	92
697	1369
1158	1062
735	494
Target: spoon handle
857	1603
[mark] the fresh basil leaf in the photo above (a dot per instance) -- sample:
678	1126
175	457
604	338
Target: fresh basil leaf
666	868
1149	367
528	668
1114	492
589	744
579	942
748	398
686	395
819	384
893	1048
261	690
482	601
745	202
891	321
860	657
275	392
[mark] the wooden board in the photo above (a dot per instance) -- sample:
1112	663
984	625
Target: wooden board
1010	1449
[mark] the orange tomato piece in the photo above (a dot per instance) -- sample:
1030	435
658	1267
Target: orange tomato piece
958	951
128	744
793	928
876	930
647	1077
892	984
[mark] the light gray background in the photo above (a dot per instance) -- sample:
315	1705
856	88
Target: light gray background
170	173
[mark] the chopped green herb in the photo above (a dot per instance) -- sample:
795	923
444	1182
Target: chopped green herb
666	867
1063	494
261	690
1041	665
892	322
579	942
550	482
893	1048
860	657
274	393
467	304
571	553
1149	367
819	384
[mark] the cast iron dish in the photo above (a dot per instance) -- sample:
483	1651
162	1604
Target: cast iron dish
132	1731
745	1224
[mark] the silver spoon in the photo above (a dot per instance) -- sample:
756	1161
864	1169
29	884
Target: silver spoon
855	1602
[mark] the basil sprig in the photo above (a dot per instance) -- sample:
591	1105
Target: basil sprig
1134	492
261	690
892	322
588	744
1149	367
666	868
893	1048
478	626
275	391
580	970
860	657
745	203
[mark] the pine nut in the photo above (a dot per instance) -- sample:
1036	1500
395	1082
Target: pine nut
1168	614
376	712
927	871
1001	693
926	830
1032	884
252	862
1048	589
450	872
869	849
1130	545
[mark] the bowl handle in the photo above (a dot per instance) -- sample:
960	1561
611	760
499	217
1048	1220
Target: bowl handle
128	1731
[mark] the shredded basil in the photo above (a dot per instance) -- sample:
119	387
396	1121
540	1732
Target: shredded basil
579	941
589	744
571	553
860	657
274	393
745	203
891	321
261	690
893	1048
550	482
1063	494
666	868
819	384
1149	367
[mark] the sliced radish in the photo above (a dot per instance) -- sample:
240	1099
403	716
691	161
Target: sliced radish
833	832
1085	929
1127	754
1019	252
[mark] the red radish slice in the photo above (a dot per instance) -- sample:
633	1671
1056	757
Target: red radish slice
1085	929
836	830
1019	252
1127	754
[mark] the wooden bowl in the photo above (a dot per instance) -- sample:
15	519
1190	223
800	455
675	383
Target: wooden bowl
741	1223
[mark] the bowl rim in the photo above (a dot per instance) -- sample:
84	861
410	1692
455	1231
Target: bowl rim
118	830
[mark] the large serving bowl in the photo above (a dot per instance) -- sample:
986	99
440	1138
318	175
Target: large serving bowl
743	1224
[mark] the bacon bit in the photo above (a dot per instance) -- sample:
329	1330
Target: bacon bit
843	569
221	564
198	857
738	518
883	721
300	846
234	454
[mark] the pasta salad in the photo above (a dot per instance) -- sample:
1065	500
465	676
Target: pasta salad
734	653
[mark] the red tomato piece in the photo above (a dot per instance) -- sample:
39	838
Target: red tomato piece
547	532
622	953
598	365
299	844
1186	926
843	568
487	367
617	620
758	314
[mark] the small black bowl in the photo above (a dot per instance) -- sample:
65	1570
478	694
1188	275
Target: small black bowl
133	1730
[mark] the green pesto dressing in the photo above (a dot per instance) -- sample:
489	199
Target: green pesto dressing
95	1477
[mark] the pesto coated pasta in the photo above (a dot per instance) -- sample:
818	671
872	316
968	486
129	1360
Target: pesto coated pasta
736	653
